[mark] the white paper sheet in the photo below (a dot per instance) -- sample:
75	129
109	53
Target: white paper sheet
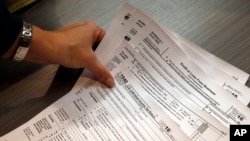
178	70
120	20
226	78
160	93
189	117
229	69
93	112
230	83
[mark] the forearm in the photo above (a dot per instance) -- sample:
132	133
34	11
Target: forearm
70	46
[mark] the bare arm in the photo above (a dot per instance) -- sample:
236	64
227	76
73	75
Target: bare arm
70	47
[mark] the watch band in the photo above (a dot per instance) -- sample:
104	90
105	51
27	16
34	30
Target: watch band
24	42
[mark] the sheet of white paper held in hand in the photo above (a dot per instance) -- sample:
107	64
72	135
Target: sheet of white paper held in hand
161	92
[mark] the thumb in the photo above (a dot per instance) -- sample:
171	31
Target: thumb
102	74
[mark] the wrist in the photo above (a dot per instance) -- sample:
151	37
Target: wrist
42	49
24	42
13	50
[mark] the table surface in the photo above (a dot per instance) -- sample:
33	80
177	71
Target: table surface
222	27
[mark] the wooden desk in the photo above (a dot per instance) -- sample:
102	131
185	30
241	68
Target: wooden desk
219	26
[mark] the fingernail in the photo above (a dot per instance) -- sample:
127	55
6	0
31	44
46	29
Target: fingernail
110	82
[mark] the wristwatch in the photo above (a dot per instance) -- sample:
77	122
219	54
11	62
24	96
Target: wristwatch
24	42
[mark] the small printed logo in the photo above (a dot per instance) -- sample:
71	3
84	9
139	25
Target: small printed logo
239	132
127	38
127	16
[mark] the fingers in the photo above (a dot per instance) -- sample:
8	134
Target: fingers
95	66
100	35
85	36
101	73
98	32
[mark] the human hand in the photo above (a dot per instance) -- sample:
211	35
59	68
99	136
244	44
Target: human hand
70	47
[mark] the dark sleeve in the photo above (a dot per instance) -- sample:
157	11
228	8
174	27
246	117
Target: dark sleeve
10	27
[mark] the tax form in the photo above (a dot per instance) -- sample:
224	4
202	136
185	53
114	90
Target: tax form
214	61
231	78
178	69
93	112
193	121
229	82
124	14
160	94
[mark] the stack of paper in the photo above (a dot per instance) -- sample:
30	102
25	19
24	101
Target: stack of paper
167	88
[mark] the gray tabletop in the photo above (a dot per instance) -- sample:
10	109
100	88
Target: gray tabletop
222	27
